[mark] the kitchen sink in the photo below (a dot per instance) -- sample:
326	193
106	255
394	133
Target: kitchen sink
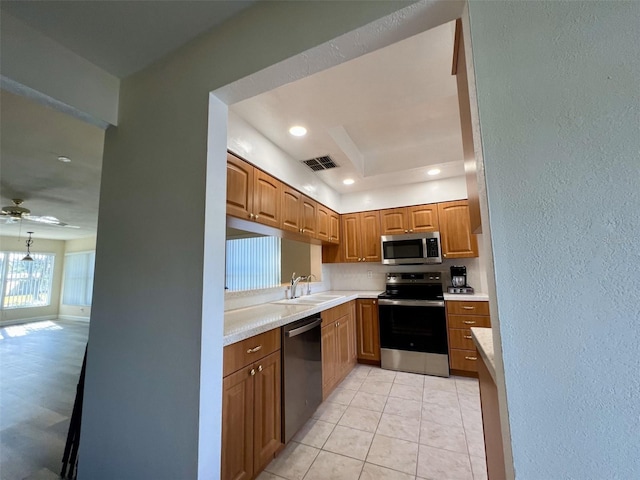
317	299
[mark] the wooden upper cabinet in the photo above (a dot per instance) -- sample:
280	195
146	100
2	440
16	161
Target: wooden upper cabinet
420	218
361	237
350	238
423	218
322	223
334	227
308	216
393	221
239	187
455	230
266	199
251	193
370	236
290	209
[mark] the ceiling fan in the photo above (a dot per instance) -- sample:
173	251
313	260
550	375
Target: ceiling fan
16	212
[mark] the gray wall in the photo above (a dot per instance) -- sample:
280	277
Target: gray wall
559	97
153	388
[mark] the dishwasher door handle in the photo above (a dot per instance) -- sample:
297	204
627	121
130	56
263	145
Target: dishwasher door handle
305	328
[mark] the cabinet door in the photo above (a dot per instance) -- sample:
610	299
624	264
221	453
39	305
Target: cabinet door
455	231
343	349
328	342
322	223
290	209
423	218
308	216
239	187
393	221
267	415
237	425
370	236
266	199
350	238
334	227
368	330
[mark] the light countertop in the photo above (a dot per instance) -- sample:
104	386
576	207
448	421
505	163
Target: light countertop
246	322
483	338
475	297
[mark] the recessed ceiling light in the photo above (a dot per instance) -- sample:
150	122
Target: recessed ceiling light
64	159
298	131
348	181
433	171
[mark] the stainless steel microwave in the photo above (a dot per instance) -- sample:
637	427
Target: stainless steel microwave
411	249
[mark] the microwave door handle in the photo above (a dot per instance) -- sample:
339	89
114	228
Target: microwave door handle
425	252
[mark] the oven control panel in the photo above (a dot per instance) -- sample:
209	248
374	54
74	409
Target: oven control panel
409	278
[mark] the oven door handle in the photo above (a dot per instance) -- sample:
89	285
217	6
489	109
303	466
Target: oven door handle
412	303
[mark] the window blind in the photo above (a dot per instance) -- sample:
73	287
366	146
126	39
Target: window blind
78	278
253	263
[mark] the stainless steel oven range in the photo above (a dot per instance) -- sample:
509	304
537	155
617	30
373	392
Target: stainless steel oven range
413	324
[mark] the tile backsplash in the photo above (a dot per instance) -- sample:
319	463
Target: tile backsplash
372	276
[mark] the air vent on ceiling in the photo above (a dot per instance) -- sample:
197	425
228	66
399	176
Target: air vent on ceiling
320	163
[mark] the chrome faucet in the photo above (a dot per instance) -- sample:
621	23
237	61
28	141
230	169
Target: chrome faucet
309	282
294	284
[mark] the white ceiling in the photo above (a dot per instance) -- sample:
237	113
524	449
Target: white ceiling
385	118
33	136
123	37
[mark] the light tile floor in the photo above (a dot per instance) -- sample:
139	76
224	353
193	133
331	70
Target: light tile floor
384	425
39	370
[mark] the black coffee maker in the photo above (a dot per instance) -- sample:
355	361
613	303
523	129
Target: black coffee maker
459	280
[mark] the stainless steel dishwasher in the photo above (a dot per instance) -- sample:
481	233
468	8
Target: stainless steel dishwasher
301	373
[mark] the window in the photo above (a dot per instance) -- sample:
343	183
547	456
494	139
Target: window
26	284
78	278
253	263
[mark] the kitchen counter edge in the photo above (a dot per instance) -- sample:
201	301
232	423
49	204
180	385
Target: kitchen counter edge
462	297
483	338
253	320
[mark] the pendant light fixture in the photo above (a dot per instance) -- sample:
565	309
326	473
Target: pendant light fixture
29	242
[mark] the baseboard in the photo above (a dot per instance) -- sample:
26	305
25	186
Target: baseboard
18	321
74	317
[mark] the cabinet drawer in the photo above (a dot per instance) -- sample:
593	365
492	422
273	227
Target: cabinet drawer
468	308
333	314
461	338
248	351
468	321
464	360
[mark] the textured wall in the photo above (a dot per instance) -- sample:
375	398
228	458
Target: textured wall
559	97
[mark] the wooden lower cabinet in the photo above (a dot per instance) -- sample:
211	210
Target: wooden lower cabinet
461	316
368	331
338	345
251	417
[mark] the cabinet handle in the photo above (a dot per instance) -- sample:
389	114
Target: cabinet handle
444	254
406	231
468	336
411	231
254	349
253	372
251	215
259	368
469	322
302	230
374	302
468	308
256	217
470	358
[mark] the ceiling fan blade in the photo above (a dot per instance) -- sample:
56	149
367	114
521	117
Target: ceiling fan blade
47	220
